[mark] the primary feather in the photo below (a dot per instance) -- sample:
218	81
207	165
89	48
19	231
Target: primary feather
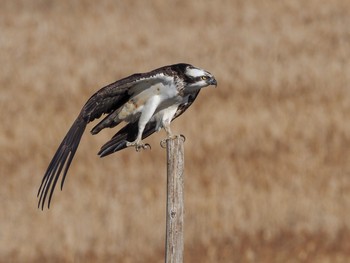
147	102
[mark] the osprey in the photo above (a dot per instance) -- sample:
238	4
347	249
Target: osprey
147	102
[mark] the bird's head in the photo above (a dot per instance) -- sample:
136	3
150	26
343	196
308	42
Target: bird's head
197	78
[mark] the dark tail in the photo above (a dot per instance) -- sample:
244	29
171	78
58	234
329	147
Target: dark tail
61	161
109	121
127	134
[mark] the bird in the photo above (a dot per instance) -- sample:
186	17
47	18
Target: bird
145	102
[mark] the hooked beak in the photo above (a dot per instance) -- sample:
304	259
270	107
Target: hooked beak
213	81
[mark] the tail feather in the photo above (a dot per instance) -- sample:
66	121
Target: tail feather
110	121
61	161
119	140
127	134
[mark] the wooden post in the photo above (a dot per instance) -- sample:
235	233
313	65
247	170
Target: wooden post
174	244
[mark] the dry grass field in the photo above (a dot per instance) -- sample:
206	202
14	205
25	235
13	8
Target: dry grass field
267	172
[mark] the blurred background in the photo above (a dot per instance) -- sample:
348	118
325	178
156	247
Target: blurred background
267	173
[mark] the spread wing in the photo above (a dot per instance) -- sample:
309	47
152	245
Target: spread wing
129	132
104	101
114	95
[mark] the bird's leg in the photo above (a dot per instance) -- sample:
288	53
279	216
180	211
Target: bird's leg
139	145
168	130
169	135
166	126
146	115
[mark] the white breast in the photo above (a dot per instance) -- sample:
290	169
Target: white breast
155	98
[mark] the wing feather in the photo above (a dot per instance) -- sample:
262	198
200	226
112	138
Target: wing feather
114	95
129	132
104	101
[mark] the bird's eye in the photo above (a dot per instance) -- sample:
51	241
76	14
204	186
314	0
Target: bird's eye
204	77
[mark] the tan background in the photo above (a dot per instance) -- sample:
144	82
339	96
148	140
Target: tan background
267	152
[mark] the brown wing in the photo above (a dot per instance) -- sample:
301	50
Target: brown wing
129	132
104	101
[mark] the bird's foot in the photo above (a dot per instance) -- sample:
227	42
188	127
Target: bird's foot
171	137
138	145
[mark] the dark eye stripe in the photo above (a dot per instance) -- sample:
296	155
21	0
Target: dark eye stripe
194	79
